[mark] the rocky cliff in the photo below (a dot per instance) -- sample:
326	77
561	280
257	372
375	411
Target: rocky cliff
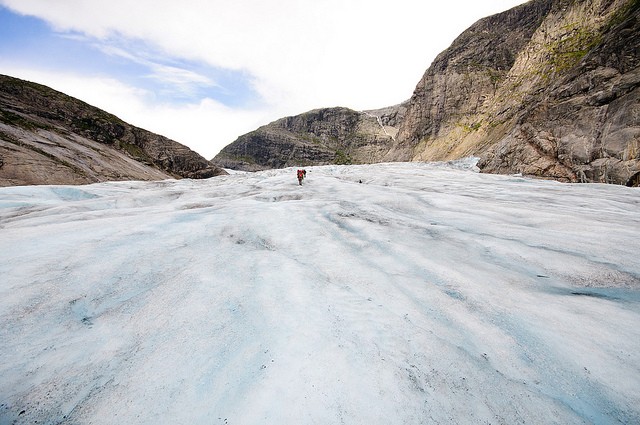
462	80
318	137
47	137
548	89
583	122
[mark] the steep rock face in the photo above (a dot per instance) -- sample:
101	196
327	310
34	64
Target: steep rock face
558	99
318	137
47	137
585	126
462	79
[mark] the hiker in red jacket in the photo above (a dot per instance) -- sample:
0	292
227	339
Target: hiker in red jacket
301	175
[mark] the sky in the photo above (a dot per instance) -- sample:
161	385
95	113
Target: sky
428	293
204	72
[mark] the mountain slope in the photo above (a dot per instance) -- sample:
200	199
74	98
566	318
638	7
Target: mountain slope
321	136
47	137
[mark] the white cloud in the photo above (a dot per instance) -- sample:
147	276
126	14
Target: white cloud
181	79
98	91
300	54
205	127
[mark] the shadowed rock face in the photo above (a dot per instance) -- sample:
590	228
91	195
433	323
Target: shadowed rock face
548	89
47	137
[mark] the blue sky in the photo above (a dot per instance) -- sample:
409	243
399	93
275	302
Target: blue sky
31	41
204	72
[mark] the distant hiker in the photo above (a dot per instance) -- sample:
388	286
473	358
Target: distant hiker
301	175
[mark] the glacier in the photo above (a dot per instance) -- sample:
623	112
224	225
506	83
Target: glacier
399	293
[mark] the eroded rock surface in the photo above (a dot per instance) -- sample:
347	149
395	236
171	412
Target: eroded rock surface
47	137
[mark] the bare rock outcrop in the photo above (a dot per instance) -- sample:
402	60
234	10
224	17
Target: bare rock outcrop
549	89
587	121
47	137
318	137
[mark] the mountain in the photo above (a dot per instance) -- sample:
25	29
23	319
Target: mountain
47	137
318	137
548	89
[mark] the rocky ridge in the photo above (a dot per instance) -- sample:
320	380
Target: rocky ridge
318	137
47	137
547	89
